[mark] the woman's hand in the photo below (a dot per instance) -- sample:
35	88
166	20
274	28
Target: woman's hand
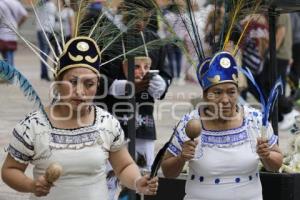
263	149
146	186
270	157
188	150
41	187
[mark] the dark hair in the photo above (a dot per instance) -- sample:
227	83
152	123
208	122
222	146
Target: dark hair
205	91
60	77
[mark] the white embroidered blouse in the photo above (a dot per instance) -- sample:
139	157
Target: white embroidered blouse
82	152
226	163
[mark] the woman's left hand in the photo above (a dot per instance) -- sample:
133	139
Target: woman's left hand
263	149
146	186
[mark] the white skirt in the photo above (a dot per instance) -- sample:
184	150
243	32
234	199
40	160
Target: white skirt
243	191
95	191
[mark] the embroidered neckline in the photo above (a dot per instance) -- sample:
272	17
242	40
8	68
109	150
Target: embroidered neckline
77	138
225	132
81	137
224	140
78	141
74	139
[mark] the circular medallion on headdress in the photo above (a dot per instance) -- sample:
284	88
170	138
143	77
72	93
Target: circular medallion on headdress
82	46
225	62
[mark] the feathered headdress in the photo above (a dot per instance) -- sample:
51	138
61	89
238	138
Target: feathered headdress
226	38
221	68
92	43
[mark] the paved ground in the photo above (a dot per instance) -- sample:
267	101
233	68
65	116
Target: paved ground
13	106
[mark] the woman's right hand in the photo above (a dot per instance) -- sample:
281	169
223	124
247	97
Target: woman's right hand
41	187
188	150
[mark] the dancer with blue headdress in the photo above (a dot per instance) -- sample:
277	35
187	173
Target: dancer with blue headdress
223	160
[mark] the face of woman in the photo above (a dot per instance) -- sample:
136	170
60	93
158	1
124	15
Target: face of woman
78	88
223	97
141	68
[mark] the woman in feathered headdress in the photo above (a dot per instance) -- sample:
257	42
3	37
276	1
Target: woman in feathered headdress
223	160
73	136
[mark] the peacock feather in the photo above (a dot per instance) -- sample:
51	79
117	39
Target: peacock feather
13	76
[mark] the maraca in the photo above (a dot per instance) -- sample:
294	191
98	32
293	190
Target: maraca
193	128
53	172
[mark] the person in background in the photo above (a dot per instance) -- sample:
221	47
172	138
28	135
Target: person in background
12	13
174	54
294	74
66	19
255	48
213	26
46	13
93	12
286	111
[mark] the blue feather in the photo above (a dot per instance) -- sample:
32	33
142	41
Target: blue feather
249	75
13	76
268	105
276	90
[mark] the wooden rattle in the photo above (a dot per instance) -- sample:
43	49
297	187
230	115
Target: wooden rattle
53	172
193	129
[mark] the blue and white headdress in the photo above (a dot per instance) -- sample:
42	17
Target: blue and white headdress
222	68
